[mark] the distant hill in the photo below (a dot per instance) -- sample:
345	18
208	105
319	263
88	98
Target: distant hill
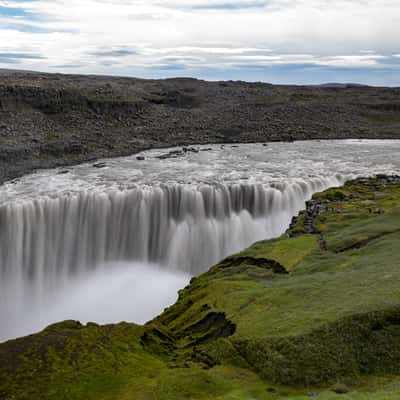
343	85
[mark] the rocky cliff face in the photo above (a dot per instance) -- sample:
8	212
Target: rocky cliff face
49	120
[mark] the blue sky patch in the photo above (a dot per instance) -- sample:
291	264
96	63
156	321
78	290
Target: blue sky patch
240	5
14	12
20	56
19	13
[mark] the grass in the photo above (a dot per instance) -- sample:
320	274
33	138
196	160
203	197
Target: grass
286	253
284	319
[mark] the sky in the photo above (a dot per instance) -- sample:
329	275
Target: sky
277	41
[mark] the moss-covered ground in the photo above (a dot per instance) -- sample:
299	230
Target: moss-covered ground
313	314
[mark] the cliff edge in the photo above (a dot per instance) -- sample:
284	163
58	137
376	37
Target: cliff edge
314	313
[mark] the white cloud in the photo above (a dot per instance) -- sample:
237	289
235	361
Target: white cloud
355	61
202	33
347	61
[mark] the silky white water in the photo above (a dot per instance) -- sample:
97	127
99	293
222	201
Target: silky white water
117	240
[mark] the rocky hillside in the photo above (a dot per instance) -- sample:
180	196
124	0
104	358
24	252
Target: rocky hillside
315	313
48	120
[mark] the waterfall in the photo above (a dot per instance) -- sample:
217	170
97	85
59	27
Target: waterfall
45	240
117	242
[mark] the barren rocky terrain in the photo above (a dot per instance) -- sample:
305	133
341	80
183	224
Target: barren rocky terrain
48	120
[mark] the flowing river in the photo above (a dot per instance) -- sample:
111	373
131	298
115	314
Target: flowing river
115	240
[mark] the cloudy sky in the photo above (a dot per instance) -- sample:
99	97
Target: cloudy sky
278	41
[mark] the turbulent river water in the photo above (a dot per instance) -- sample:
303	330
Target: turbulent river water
115	240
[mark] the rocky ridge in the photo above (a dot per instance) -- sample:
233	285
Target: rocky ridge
49	120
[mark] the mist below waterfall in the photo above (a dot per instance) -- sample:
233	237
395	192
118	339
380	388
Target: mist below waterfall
112	293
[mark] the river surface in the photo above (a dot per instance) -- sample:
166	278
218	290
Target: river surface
116	239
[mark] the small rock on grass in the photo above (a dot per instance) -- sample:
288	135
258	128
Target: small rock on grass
340	388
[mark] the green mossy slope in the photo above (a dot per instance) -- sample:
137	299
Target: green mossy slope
288	318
